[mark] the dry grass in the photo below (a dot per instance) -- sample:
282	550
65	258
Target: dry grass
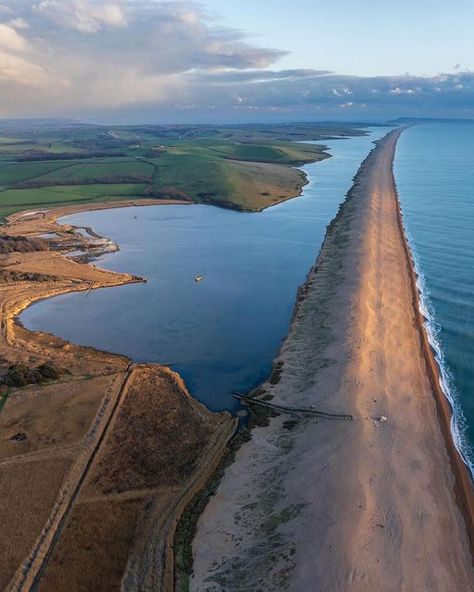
150	455
94	547
51	416
145	449
259	185
27	492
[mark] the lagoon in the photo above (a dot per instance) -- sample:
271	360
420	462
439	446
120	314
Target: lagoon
220	334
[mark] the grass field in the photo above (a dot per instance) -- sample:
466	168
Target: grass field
14	200
106	168
241	167
11	173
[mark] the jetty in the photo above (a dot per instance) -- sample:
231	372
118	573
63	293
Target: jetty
246	400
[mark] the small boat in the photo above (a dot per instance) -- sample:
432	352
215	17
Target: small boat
198	278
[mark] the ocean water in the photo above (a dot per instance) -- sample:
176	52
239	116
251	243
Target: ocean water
434	171
220	334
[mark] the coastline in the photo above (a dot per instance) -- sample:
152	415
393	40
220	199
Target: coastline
45	221
92	401
464	487
289	192
248	484
56	272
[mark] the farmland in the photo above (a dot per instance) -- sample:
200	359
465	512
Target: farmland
240	167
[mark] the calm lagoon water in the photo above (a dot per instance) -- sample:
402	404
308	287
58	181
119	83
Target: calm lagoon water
434	170
220	334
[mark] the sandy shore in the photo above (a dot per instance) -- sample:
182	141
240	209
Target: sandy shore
381	503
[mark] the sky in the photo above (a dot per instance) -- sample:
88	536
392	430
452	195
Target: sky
360	37
236	60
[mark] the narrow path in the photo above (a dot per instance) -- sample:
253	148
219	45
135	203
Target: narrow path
28	575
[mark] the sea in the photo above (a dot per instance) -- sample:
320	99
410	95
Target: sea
434	172
222	333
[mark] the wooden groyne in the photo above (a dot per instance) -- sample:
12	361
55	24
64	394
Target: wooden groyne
290	409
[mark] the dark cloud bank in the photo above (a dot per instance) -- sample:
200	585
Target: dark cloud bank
148	60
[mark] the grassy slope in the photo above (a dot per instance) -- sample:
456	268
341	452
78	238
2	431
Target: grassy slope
243	176
107	167
240	167
14	200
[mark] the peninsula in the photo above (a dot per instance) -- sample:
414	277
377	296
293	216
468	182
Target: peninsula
380	503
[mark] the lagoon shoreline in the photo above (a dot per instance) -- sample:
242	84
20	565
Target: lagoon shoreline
19	338
63	434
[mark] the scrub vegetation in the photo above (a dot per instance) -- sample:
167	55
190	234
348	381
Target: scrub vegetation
241	167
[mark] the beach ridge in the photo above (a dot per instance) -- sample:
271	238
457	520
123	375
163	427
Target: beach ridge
464	488
352	505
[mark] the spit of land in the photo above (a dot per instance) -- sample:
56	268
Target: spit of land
381	503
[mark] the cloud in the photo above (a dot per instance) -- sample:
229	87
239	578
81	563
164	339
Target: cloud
151	59
15	70
320	94
113	53
256	76
11	40
15	65
18	23
86	16
399	91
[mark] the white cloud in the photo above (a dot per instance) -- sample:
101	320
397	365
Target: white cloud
18	23
189	17
15	69
11	40
85	16
82	57
93	54
402	91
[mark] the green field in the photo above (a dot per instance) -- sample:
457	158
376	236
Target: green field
11	173
14	200
105	168
242	167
